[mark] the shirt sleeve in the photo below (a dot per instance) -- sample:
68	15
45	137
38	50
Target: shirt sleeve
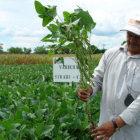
132	113
98	75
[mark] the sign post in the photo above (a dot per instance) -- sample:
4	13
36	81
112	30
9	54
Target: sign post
66	71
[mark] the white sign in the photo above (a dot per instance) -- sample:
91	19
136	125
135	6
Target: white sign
65	72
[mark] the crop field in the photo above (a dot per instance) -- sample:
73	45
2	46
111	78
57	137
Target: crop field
19	59
33	107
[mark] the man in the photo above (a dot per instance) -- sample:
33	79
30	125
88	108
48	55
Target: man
118	77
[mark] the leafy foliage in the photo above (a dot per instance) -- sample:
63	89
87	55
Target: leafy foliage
16	50
95	50
85	19
46	13
33	107
72	34
27	50
40	50
1	48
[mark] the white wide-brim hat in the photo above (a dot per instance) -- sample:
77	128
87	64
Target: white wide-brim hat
133	25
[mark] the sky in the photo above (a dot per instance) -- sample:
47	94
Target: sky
20	25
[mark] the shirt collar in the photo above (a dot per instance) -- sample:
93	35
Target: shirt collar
124	48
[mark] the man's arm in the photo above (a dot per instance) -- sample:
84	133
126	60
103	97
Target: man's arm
128	117
132	113
106	130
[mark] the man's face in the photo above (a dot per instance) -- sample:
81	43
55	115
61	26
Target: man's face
133	42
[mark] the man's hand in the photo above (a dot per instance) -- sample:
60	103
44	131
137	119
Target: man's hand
84	95
104	132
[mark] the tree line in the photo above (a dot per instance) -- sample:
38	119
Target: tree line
43	50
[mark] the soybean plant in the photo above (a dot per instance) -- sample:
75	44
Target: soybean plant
72	34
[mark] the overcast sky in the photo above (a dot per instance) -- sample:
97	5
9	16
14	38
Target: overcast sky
20	25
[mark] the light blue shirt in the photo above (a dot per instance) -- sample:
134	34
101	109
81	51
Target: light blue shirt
117	75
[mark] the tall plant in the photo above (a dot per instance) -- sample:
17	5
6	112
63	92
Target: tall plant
71	33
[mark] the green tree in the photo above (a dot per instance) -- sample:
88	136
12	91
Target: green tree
95	50
40	50
15	50
27	50
1	48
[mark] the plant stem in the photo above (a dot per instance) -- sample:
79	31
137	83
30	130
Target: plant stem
89	116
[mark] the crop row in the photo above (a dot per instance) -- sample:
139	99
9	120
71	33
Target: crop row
33	107
20	59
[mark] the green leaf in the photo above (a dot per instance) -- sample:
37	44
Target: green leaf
50	53
59	59
73	17
51	47
32	131
66	16
52	11
85	19
46	20
41	16
31	115
47	130
85	123
65	119
39	128
62	41
40	9
16	125
8	125
11	137
47	36
60	36
2	128
14	132
84	33
47	13
76	22
53	28
3	115
48	40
